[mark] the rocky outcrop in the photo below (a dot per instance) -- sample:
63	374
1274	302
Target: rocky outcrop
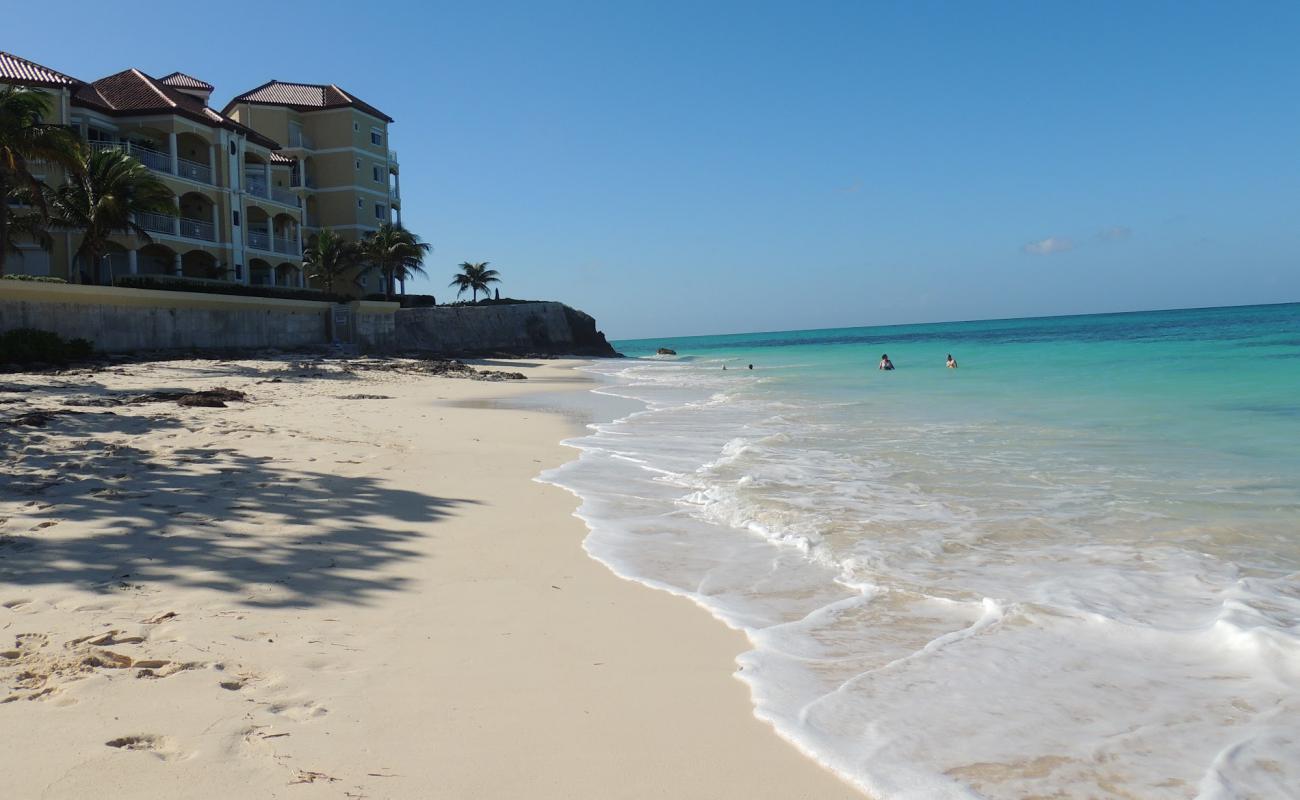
542	328
665	351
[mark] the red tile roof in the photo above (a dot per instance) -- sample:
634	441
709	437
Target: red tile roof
14	69
305	97
133	92
182	81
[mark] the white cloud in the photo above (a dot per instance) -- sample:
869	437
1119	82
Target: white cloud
1052	244
1115	233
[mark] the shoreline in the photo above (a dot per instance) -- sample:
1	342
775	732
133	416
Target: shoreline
369	596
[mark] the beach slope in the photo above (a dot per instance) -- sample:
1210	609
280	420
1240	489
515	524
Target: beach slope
348	585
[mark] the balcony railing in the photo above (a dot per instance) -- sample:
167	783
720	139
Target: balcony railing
156	223
194	170
285	196
198	229
392	156
153	159
286	245
256	186
259	240
300	139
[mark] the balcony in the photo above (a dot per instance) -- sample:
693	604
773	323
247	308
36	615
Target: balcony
255	184
194	170
285	196
259	240
300	139
285	245
156	223
198	229
158	160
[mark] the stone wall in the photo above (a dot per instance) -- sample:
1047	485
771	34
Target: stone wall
519	329
123	320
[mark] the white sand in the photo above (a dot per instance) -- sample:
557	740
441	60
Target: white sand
305	596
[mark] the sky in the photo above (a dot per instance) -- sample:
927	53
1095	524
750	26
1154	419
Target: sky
678	168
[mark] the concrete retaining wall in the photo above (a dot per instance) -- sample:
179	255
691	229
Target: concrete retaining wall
122	320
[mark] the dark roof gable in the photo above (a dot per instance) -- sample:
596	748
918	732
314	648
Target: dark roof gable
182	81
15	69
133	92
305	97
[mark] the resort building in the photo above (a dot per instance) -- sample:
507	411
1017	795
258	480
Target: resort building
252	182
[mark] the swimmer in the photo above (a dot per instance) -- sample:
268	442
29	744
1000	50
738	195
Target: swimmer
751	366
885	363
952	362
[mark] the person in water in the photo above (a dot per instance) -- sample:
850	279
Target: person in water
952	362
751	366
885	363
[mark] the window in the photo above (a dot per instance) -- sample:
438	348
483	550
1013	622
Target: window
376	136
232	149
235	217
356	126
358	163
377	172
360	203
380	210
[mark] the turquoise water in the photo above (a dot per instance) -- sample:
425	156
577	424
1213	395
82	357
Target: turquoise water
1068	568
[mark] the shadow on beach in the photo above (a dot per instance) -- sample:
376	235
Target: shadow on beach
90	505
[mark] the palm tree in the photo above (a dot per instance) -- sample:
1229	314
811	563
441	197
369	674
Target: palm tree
24	138
475	277
329	258
395	252
102	198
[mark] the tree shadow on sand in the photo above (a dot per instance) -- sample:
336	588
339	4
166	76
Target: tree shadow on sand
90	506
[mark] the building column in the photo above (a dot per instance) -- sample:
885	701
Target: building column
171	147
131	262
266	176
212	163
176	264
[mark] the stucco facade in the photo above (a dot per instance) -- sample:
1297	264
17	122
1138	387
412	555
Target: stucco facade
252	183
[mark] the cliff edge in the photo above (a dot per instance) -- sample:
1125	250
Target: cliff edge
516	329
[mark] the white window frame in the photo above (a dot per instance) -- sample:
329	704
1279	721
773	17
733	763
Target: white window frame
377	172
377	133
381	211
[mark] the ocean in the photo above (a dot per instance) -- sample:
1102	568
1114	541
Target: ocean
1069	568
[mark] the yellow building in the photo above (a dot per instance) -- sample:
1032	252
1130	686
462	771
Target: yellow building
342	165
247	202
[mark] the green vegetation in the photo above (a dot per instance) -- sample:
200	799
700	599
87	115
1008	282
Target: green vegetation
395	252
32	278
31	346
24	140
176	284
331	259
104	193
475	277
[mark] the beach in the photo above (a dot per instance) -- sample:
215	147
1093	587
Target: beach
349	584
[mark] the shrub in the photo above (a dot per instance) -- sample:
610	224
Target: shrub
33	278
407	300
172	284
500	301
31	346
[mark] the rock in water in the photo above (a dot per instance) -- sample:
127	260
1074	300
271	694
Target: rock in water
666	351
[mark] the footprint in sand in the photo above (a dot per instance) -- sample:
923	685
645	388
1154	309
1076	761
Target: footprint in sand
159	746
14	605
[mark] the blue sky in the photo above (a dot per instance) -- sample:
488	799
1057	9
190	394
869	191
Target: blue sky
686	168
